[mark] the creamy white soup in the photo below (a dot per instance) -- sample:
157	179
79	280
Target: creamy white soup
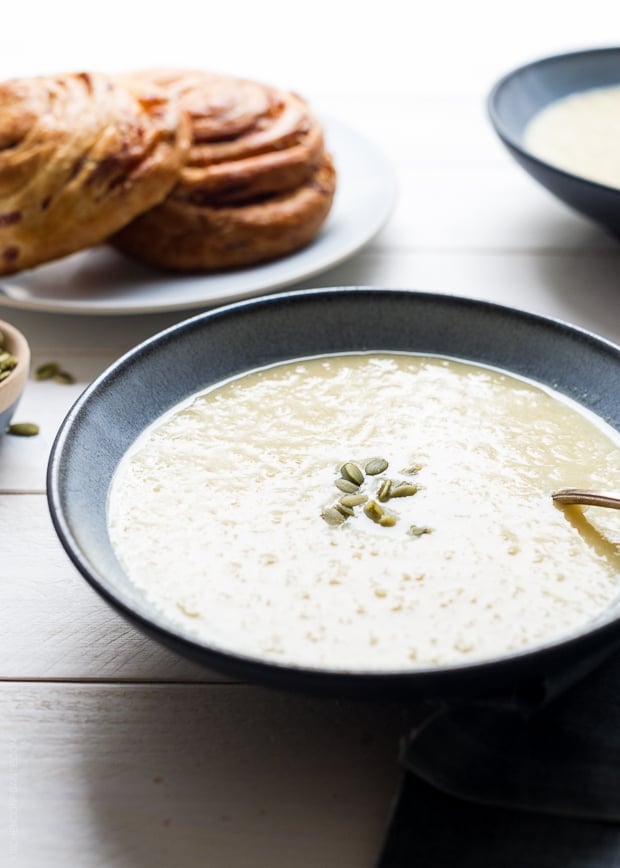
580	133
370	512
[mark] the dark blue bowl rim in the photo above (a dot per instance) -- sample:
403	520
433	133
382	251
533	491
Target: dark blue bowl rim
429	681
513	143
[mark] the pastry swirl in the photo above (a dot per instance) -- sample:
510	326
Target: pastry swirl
187	237
256	184
80	156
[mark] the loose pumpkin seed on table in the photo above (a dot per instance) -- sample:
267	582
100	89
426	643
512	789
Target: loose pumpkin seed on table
64	377
23	429
46	371
53	371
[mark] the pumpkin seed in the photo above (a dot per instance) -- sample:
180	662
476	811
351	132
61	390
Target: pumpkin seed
47	371
373	511
414	530
385	489
4	375
352	472
376	466
413	468
7	362
332	516
23	429
345	510
64	377
387	520
346	485
403	489
353	499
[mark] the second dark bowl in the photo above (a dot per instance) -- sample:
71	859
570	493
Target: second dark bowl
525	91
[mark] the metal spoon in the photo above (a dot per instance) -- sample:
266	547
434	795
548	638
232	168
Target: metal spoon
586	498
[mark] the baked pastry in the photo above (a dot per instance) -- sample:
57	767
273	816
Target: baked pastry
80	155
257	183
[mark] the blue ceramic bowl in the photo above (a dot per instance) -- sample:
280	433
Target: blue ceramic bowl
12	388
521	94
214	346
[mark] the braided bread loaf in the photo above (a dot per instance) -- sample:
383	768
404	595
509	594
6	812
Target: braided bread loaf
80	156
257	183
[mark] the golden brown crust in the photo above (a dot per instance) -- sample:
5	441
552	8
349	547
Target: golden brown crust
80	156
256	183
180	236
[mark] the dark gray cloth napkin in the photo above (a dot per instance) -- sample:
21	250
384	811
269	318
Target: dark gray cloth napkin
492	788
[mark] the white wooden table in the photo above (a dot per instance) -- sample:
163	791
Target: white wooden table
113	752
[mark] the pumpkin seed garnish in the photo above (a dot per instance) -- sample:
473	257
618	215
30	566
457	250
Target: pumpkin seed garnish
403	489
346	485
352	480
332	516
4	375
353	499
23	429
352	472
376	466
345	510
385	490
47	371
415	530
373	511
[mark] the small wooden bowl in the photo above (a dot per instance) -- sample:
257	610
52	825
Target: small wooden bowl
12	387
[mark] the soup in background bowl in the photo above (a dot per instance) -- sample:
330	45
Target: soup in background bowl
451	571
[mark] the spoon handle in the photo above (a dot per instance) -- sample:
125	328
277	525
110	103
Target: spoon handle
586	498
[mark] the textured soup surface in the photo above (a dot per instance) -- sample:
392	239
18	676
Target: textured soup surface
216	514
581	134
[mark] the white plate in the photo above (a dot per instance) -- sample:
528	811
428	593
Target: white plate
102	281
